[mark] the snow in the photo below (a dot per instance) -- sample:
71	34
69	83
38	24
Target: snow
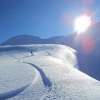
51	73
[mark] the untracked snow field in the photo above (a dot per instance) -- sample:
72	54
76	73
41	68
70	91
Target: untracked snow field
51	73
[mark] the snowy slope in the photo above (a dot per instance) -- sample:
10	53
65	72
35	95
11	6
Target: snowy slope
51	73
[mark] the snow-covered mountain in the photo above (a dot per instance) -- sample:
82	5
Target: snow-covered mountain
22	40
49	74
28	39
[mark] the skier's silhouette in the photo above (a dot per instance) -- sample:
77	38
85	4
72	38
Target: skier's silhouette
31	53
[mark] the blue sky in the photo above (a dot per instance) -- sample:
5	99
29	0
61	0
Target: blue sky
43	18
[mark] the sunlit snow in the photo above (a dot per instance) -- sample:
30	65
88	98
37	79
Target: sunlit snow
51	73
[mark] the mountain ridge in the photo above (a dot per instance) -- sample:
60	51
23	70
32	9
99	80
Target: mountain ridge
28	39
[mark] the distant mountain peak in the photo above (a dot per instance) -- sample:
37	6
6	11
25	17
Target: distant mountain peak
28	39
22	40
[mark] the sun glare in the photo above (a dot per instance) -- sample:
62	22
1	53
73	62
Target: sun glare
82	23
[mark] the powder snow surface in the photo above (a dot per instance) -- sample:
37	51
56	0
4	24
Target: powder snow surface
50	73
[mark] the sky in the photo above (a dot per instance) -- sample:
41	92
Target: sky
43	18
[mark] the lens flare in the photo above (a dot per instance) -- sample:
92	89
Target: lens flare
88	1
88	44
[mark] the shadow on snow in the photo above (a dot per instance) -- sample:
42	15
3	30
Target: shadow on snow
12	93
45	80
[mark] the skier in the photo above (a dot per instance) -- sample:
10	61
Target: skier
31	53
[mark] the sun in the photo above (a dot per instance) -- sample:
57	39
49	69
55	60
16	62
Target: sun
82	23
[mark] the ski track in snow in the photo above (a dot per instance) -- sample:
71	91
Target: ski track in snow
15	92
45	80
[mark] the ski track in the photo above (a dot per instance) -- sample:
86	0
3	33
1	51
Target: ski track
38	71
45	80
13	93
